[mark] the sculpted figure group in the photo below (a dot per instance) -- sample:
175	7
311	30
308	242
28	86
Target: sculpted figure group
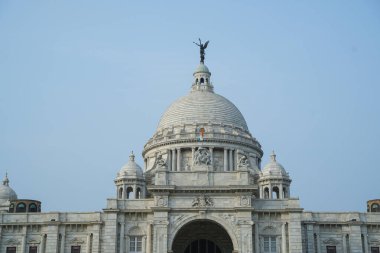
202	157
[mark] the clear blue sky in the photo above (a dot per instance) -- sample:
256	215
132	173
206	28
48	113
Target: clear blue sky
82	83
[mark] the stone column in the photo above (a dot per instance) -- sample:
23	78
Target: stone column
257	239
1	232
88	243
149	239
231	161
143	242
23	242
173	160
42	244
192	155
169	160
270	191
281	192
225	160
344	243
310	238
121	248
365	237
283	239
178	159
318	243
127	243
212	155
63	239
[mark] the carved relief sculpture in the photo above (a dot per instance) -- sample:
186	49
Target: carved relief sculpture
202	157
202	201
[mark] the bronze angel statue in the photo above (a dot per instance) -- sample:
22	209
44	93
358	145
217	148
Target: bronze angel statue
202	48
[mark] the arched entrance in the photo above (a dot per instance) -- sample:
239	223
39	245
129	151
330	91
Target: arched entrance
202	236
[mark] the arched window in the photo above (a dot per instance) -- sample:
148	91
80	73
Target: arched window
121	193
275	193
138	193
285	192
266	193
129	193
32	208
375	207
206	80
202	80
11	208
21	208
196	80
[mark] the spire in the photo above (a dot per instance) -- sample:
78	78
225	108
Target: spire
132	157
273	156
6	180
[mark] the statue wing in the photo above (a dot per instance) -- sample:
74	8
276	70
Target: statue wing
205	45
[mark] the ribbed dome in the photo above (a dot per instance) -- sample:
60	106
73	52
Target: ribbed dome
131	169
202	107
6	192
274	168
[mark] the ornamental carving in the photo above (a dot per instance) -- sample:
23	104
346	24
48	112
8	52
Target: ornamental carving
160	162
331	241
161	201
202	157
202	201
76	241
245	201
243	162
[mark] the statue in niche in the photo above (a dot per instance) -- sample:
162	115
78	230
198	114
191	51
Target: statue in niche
202	157
243	162
160	162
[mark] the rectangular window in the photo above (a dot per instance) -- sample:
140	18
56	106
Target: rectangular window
331	249
75	249
135	244
375	250
11	249
269	244
32	249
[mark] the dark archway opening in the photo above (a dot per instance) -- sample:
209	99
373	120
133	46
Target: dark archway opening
202	236
202	246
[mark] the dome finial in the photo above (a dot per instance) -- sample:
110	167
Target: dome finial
202	48
132	156
273	156
6	180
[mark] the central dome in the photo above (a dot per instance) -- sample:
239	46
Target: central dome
202	107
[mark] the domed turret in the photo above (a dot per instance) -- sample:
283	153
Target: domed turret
274	181
6	192
130	181
131	169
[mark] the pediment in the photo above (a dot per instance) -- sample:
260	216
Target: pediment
270	230
33	241
374	242
12	241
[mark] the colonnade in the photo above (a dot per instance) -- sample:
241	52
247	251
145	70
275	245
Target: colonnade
175	158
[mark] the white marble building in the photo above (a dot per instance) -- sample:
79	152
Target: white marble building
201	190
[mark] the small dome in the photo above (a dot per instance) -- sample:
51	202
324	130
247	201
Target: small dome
131	169
201	69
273	168
6	192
